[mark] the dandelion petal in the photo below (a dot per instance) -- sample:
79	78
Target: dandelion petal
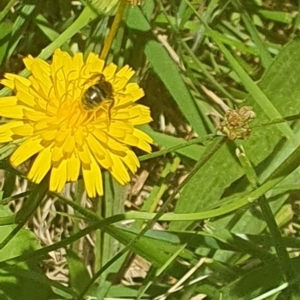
30	147
41	166
92	179
58	176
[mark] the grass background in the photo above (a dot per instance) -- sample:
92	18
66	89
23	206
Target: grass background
199	220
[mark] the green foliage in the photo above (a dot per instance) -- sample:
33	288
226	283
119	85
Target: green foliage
228	220
20	280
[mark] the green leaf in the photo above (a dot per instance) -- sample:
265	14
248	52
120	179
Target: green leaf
193	151
5	31
169	73
281	85
25	280
136	20
254	283
79	276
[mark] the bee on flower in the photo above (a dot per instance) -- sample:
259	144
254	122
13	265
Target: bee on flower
74	117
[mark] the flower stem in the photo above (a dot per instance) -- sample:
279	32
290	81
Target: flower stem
114	28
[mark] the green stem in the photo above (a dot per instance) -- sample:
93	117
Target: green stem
183	144
6	9
265	56
114	28
282	254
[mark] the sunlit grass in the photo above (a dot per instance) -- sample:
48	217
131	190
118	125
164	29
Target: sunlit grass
206	215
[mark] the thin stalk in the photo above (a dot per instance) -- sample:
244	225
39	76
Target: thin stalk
282	254
113	31
6	9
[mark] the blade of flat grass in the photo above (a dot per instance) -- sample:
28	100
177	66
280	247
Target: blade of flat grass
37	278
254	282
206	73
257	94
137	20
272	292
161	235
78	273
134	242
33	201
242	245
282	254
156	273
211	6
234	202
9	184
84	18
280	83
159	188
174	144
152	202
277	16
106	246
266	58
277	176
42	23
20	26
119	217
169	73
6	9
296	20
5	33
44	251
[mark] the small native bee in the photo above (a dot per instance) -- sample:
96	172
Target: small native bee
97	93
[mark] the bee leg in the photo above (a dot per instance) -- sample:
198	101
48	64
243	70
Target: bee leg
109	109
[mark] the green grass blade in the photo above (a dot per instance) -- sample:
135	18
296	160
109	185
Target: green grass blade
169	73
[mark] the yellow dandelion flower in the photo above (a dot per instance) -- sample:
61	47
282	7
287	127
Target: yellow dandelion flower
74	117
